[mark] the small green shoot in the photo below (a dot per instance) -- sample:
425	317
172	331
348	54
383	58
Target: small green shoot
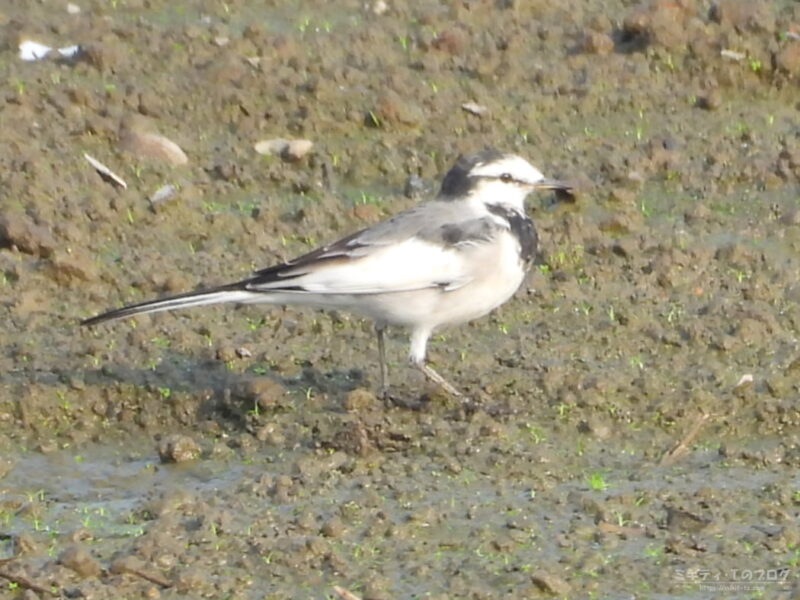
536	433
596	481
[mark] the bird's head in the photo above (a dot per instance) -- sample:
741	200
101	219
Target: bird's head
493	177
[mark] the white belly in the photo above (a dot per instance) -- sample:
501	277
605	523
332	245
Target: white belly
498	274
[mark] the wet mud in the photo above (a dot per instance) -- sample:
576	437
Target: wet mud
635	430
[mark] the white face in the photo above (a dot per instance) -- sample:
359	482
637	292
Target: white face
506	181
513	168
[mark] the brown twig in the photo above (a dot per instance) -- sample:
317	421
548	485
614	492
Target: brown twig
682	447
345	594
26	583
151	577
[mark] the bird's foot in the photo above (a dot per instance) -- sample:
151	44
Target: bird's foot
440	381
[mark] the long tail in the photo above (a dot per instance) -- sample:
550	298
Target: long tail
228	293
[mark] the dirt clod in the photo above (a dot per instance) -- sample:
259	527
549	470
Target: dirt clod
78	559
177	448
19	231
550	583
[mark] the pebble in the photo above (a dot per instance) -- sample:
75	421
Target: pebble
162	193
711	101
550	584
135	138
288	150
296	149
475	109
595	42
333	528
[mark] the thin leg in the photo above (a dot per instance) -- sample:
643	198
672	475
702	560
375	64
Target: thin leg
419	344
379	329
439	380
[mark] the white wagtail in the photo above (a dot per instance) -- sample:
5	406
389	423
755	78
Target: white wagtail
445	261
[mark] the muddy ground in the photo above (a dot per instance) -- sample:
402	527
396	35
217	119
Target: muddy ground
635	431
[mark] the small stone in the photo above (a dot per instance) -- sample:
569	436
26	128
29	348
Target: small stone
550	583
274	146
333	528
78	559
161	194
296	149
711	101
288	150
595	42
745	381
379	8
475	109
135	137
73	9
226	352
177	448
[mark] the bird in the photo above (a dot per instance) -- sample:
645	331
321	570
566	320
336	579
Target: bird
447	260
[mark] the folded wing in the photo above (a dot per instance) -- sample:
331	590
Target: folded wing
403	255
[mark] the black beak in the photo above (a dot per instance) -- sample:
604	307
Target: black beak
554	184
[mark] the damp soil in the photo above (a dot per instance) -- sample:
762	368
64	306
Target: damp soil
634	430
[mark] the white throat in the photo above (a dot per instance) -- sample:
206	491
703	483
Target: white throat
493	191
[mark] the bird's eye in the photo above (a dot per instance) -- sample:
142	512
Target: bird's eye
506	178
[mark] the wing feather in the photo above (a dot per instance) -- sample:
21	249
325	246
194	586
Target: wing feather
401	254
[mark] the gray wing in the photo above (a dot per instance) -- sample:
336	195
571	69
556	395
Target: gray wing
418	248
